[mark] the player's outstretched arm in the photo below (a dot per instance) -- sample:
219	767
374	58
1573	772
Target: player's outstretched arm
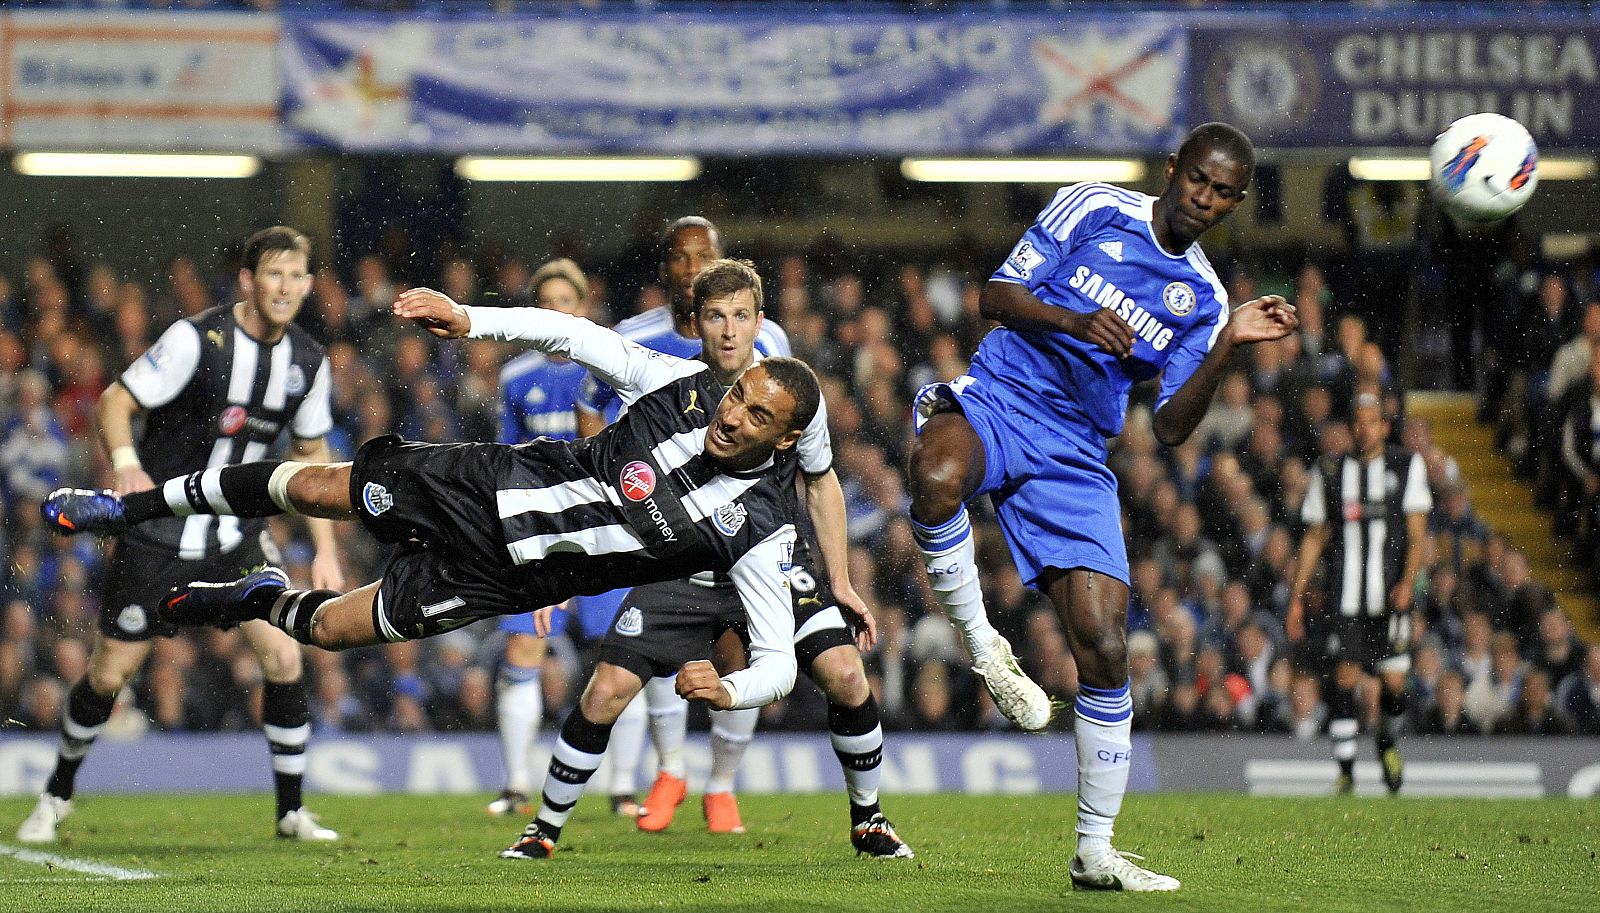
1258	320
1016	307
115	414
825	504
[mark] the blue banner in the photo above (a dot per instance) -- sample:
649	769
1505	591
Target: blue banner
797	83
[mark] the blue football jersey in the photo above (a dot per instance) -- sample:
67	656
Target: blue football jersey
537	395
1094	247
654	330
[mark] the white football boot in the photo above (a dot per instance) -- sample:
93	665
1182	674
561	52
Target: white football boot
301	824
40	825
1015	694
1114	871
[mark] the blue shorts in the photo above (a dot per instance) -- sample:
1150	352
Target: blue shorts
595	614
1055	497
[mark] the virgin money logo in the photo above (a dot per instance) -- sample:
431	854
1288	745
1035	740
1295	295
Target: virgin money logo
638	480
232	420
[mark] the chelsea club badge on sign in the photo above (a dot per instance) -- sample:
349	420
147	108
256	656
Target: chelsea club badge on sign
1179	298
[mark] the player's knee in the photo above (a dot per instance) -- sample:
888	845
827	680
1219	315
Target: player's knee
935	481
840	675
106	682
321	487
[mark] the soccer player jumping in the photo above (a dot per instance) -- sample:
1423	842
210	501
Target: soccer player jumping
1107	289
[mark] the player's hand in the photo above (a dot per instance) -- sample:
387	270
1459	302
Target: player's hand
544	619
1102	328
326	574
434	312
860	616
1294	623
698	681
1262	320
1400	597
130	479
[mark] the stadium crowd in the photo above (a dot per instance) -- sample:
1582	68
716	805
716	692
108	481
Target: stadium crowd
1212	525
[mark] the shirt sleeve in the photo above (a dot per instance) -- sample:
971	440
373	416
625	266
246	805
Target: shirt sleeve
1074	212
631	369
161	373
1417	497
816	444
314	418
595	396
1192	349
772	340
761	579
1314	509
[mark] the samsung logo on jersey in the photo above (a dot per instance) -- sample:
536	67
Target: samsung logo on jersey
1097	289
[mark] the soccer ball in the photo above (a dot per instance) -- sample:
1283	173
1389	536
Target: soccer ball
1485	167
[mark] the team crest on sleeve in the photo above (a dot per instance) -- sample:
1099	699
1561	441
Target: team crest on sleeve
1179	298
729	518
376	498
631	622
295	384
132	619
1023	260
638	480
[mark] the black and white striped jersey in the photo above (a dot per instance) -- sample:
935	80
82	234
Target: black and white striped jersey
646	494
1366	505
214	396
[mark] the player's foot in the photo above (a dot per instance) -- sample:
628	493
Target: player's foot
722	813
876	838
40	825
666	794
1394	769
1114	871
624	805
510	802
301	824
222	604
1345	785
70	511
533	844
1015	694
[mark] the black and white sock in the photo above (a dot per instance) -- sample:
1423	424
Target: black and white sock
87	712
238	491
1343	727
286	721
857	736
576	757
292	611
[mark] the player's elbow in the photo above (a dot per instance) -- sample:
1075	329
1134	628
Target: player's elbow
992	301
1166	432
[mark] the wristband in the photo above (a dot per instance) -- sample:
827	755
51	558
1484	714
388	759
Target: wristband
125	457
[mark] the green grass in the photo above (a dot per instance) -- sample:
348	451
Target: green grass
1233	853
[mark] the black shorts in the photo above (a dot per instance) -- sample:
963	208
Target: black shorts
1373	642
437	502
664	625
140	573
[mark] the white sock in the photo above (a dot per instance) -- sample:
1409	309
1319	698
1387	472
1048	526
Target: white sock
669	720
519	707
627	747
1103	733
731	732
951	561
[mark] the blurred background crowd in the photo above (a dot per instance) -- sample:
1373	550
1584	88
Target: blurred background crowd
1212	525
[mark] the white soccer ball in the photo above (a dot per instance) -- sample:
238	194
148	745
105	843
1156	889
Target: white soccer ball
1485	167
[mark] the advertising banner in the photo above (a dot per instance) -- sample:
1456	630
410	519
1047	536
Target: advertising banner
800	83
200	81
1397	82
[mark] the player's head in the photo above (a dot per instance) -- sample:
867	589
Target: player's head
727	315
1369	426
275	275
1206	179
560	286
766	409
687	247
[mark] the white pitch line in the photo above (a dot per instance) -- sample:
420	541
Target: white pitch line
86	866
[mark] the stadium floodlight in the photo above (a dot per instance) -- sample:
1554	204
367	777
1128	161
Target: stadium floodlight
1021	171
619	169
134	165
1416	168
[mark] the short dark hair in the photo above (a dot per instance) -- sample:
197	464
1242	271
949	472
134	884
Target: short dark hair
670	233
796	376
726	277
1219	137
273	240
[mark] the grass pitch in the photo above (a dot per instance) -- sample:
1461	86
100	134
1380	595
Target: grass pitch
437	853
